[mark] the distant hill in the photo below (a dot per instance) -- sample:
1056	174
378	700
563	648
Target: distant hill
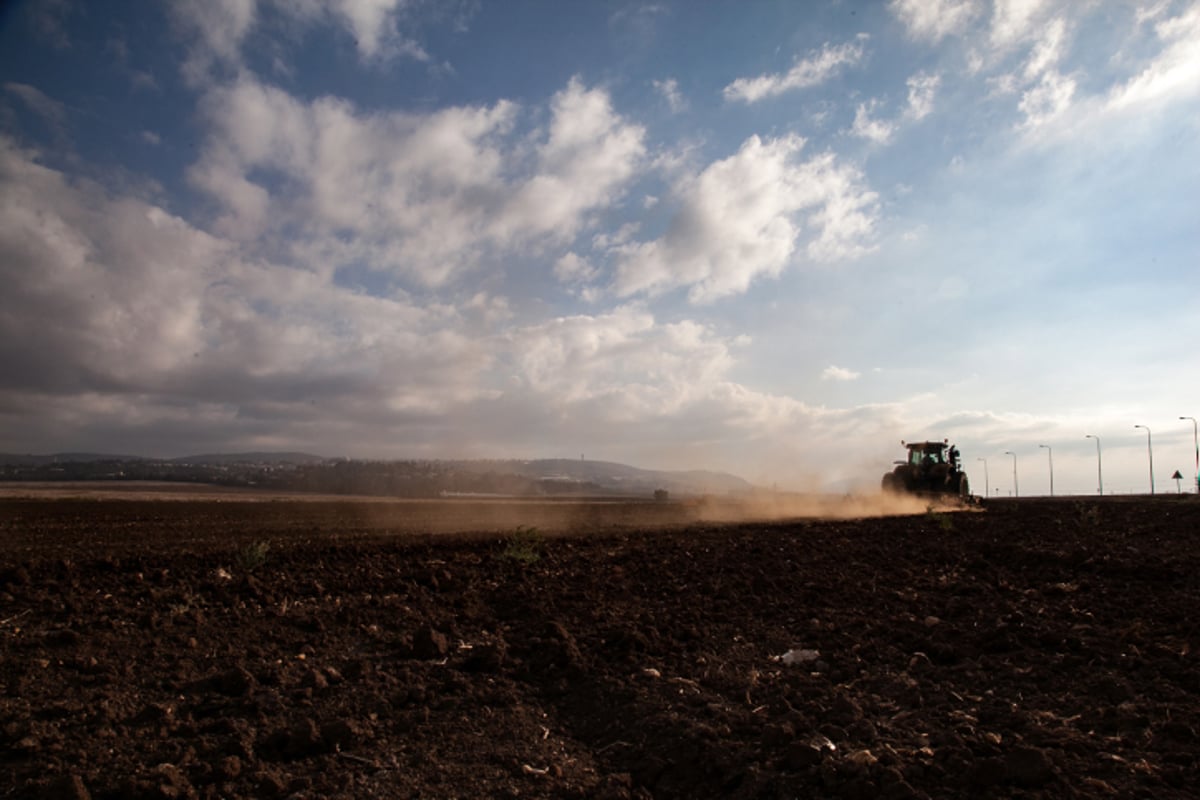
406	478
62	458
250	458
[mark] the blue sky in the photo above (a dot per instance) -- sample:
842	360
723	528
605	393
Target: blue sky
767	237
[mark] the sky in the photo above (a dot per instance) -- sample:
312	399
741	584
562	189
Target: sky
770	238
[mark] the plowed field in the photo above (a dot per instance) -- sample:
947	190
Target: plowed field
223	646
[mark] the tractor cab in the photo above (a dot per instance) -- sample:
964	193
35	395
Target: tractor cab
927	454
930	467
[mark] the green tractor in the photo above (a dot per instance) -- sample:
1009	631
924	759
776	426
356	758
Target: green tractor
933	468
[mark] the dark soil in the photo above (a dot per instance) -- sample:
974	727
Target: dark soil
178	649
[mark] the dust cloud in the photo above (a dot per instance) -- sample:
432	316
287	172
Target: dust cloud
350	516
776	506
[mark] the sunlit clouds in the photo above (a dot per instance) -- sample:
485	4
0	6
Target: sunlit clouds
738	220
809	71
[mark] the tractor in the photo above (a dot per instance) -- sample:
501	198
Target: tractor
931	468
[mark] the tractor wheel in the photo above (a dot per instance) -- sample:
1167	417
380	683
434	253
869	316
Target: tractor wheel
964	488
891	483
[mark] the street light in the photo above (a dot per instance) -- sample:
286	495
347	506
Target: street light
1016	491
1150	451
1099	465
987	490
1196	441
1050	453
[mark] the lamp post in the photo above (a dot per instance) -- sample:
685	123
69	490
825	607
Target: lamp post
1196	441
1050	453
1099	464
1150	452
1016	491
987	487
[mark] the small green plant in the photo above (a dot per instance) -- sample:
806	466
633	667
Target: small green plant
944	521
1089	515
253	556
524	545
186	604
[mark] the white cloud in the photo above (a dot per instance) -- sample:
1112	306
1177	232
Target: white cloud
373	24
811	71
637	23
866	127
933	20
841	374
109	285
131	301
669	89
740	219
218	29
1055	111
49	109
588	156
570	268
1175	72
1014	20
921	90
1047	100
1048	49
1045	93
604	239
423	195
639	368
1151	12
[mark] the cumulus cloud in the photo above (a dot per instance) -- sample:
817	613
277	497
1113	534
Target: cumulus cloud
744	216
933	20
373	23
669	89
107	284
1047	50
922	88
1045	93
419	195
216	30
1055	109
818	67
570	268
840	374
49	109
130	299
637	367
588	156
1047	100
1015	20
1174	72
867	127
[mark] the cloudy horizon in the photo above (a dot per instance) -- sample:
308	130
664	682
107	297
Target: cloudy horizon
769	240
